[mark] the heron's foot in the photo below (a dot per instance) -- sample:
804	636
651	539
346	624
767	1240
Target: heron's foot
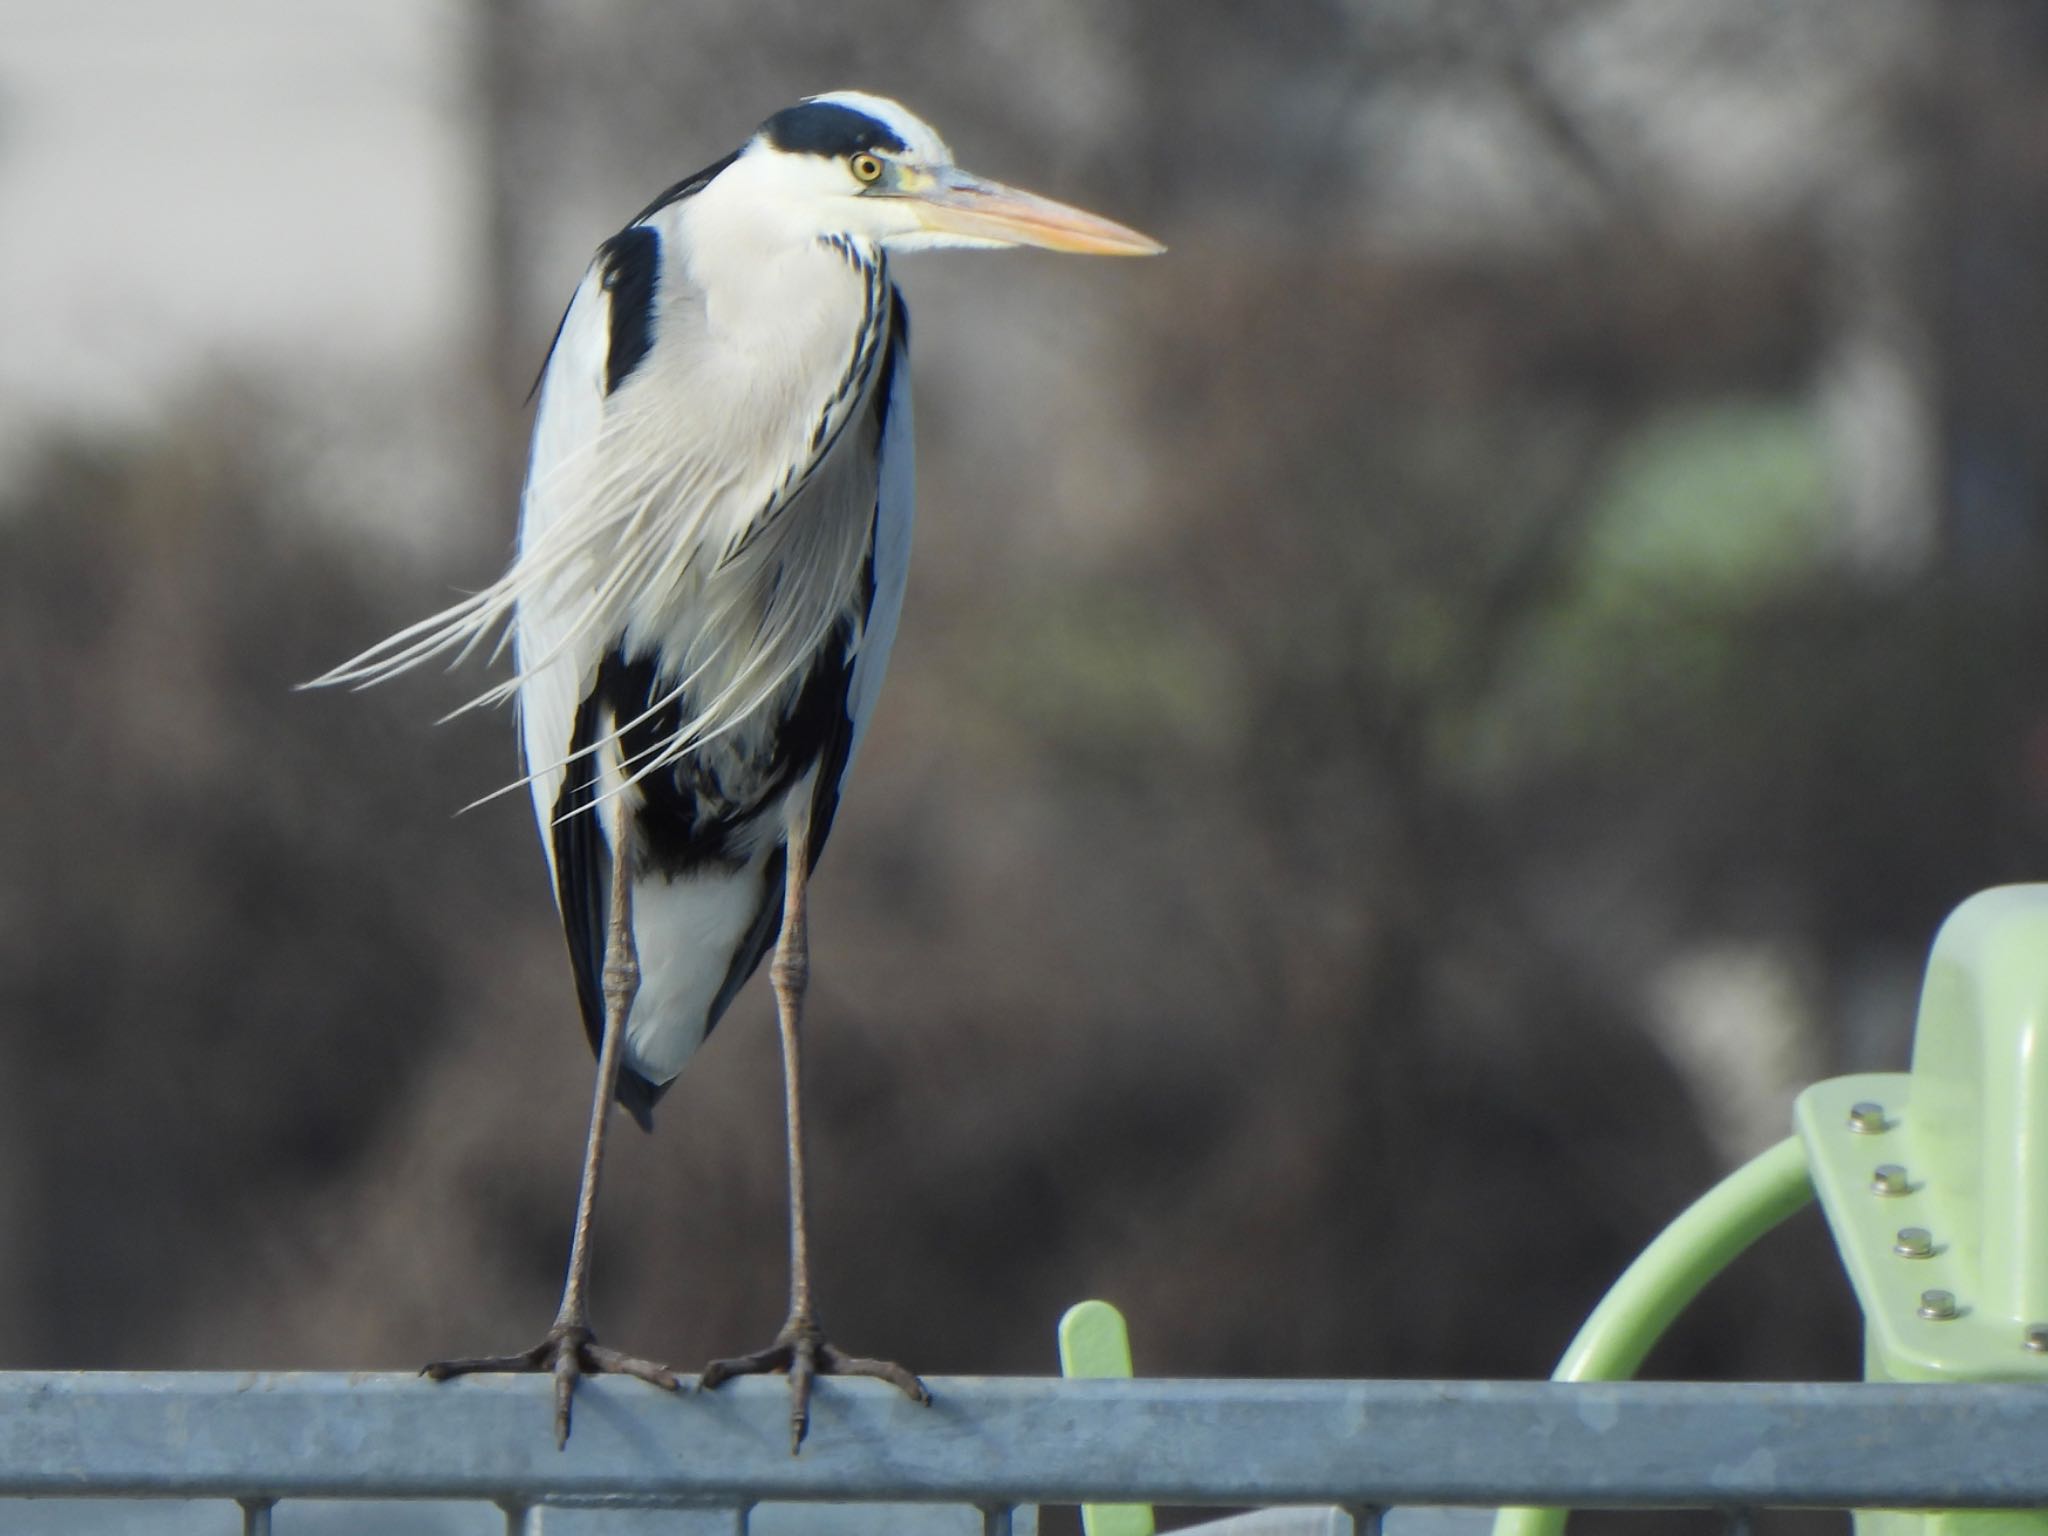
802	1350
568	1353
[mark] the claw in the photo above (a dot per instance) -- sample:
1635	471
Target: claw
833	1362
802	1351
568	1353
565	1388
802	1367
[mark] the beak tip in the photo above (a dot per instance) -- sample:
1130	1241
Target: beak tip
1126	242
1135	242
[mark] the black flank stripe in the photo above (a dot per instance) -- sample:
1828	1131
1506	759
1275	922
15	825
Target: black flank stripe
691	814
899	346
836	744
583	877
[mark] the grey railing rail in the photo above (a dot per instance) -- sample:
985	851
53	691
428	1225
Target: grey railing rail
1003	1443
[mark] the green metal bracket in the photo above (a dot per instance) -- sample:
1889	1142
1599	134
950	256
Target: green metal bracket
1935	1181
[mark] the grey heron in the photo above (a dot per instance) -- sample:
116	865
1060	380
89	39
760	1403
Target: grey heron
713	541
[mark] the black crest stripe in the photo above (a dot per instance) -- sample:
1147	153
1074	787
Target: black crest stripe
630	263
827	128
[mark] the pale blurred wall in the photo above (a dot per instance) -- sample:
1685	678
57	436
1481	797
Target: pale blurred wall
227	183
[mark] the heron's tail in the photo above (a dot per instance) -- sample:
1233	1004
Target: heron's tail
637	1095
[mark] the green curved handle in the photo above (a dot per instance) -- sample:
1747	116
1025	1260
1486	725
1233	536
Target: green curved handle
1666	1276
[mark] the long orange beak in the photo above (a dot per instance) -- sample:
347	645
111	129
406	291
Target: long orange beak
958	204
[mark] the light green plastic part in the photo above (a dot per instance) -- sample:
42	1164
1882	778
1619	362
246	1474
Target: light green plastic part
1094	1342
1969	1128
1665	1277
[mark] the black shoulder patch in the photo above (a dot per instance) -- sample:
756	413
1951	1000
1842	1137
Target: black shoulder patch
631	266
827	128
687	187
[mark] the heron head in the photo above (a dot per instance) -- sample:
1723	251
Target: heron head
864	166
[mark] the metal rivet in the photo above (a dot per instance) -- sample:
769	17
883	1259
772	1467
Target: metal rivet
1890	1179
2036	1338
1918	1243
1937	1306
1868	1119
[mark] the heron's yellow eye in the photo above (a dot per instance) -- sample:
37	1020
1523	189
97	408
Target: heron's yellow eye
866	168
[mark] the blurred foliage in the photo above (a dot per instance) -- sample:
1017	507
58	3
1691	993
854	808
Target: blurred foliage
1729	497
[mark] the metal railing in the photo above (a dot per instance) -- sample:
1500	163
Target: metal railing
1928	1178
1003	1446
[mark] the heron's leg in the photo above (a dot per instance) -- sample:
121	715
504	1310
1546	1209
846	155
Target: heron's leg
801	1348
570	1350
790	974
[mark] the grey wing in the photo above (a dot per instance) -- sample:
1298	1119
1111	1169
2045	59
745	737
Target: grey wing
557	659
564	714
557	663
604	336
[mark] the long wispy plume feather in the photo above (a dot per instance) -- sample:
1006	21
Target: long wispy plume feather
742	580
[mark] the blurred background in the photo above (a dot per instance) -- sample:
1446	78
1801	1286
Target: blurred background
1423	716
